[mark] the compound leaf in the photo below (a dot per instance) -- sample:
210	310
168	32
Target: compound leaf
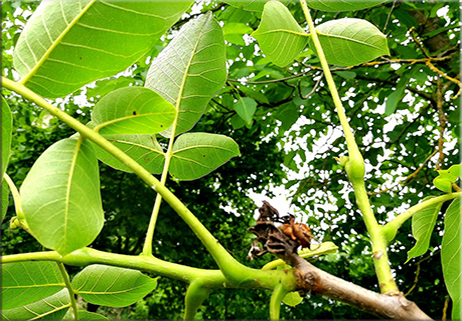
279	36
61	197
53	307
350	41
27	282
112	286
451	256
67	44
190	70
197	154
133	110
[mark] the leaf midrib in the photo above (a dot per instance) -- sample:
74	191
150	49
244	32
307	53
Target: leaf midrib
32	72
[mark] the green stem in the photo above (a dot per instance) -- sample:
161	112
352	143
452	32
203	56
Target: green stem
147	248
69	288
278	294
196	294
354	166
391	228
214	279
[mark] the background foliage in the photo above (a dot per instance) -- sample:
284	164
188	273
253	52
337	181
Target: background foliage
284	122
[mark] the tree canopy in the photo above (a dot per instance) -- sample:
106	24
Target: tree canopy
270	109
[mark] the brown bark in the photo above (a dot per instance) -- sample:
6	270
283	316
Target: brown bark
318	282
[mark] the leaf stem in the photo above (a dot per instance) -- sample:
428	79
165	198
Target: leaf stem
69	288
354	166
391	228
278	294
147	247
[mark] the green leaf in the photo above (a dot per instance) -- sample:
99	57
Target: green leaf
61	197
144	149
27	282
67	44
133	110
423	223
395	97
451	257
343	5
279	36
190	70
233	32
350	41
251	5
84	315
245	108
7	127
292	299
446	178
5	198
53	307
197	154
112	286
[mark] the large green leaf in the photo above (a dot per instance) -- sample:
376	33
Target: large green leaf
84	315
190	70
279	36
423	223
133	110
197	154
451	256
144	149
53	307
446	178
61	197
5	197
27	282
350	41
342	5
112	286
7	127
67	44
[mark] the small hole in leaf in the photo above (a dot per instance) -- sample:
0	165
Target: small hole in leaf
134	113
203	155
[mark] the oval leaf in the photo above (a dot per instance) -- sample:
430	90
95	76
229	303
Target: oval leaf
133	110
279	36
27	282
142	148
61	197
53	307
451	257
112	286
190	70
7	127
344	5
245	108
197	154
349	41
423	223
67	44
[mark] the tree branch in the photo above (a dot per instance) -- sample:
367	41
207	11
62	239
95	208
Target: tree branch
316	281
